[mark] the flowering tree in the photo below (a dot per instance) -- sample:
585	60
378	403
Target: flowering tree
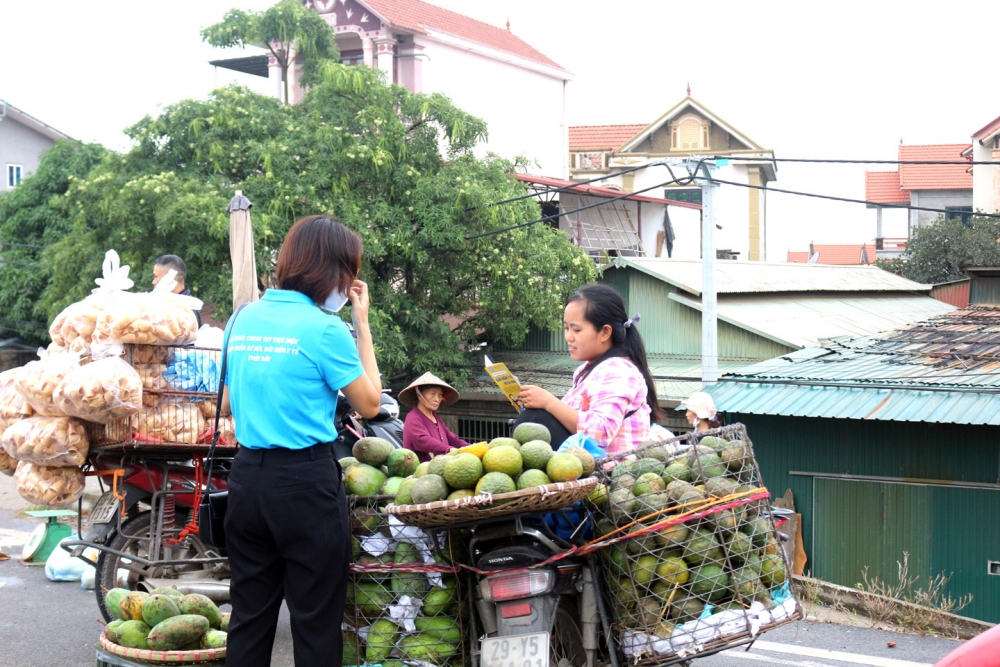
396	167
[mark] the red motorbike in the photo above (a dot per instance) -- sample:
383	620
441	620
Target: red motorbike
142	525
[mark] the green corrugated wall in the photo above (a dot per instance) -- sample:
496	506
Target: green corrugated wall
943	529
888	449
985	290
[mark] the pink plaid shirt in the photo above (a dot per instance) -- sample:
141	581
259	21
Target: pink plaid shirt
613	389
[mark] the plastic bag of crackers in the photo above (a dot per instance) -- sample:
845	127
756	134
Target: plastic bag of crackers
100	391
38	380
49	485
170	422
48	441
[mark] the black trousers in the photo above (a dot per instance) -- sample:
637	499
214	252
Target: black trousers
288	536
558	432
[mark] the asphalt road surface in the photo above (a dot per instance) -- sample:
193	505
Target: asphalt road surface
50	624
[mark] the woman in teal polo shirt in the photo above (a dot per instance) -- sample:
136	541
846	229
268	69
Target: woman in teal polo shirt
287	529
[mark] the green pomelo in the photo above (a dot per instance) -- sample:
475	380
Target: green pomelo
673	570
166	590
495	483
709	465
650	610
685	609
728	520
111	600
463	471
617	558
677	472
436	465
709	582
530	478
351	654
347	462
424	649
622	505
503	459
702	547
642	466
461	493
720	487
745	583
176	632
428	489
382	638
652	449
652	503
371	599
589	465
133	634
644	569
759	530
422	469
505	442
626	481
439	627
739	547
527	432
713	442
402	462
372	451
363	480
648	483
214	639
644	544
536	454
672	536
201	605
564	468
391	486
678	488
598	497
736	455
772	571
111	630
158	608
437	601
404	492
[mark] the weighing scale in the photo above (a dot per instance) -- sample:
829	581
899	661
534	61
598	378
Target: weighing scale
45	538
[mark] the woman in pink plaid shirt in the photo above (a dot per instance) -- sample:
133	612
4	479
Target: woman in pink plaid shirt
613	398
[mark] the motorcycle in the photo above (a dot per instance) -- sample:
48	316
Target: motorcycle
352	427
138	527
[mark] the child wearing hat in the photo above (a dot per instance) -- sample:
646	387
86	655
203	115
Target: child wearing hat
424	432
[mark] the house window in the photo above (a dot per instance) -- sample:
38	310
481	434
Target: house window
590	161
14	175
961	212
692	196
688	133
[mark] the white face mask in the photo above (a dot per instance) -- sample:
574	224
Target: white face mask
335	301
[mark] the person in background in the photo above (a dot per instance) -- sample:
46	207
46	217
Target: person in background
700	411
424	432
613	398
163	265
288	532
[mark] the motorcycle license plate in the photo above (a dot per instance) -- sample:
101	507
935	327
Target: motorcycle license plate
516	651
105	509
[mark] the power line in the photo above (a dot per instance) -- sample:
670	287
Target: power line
962	163
576	184
851	201
681	181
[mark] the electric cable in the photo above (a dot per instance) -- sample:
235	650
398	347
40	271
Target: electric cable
963	163
680	181
848	200
576	184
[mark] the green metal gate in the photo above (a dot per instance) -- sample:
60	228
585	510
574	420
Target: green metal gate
944	528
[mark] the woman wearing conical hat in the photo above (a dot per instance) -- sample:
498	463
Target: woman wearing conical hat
424	432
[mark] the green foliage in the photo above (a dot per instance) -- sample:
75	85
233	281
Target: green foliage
288	28
396	167
35	214
937	253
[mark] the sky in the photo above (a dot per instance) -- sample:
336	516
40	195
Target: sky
844	80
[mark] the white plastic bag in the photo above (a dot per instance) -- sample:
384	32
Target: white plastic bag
60	566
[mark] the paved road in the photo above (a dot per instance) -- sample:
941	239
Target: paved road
46	624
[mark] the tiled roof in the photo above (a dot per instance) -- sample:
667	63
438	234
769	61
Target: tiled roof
597	191
798	257
988	130
942	370
931	176
882	187
420	17
844	254
601	137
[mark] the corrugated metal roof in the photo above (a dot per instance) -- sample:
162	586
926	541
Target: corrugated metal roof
745	277
944	370
811	319
676	378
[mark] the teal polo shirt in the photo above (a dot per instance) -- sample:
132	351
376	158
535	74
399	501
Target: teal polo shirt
286	360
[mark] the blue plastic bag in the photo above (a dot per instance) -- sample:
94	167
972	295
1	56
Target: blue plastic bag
583	441
193	370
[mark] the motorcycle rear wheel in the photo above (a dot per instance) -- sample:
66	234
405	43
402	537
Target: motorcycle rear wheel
132	539
567	639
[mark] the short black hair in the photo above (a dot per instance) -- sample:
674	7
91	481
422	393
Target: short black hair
173	262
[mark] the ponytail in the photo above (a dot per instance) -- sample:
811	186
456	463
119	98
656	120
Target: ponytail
605	307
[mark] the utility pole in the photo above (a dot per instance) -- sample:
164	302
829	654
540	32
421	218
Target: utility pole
709	302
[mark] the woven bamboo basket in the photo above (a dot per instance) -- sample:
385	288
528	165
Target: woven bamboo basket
197	657
536	499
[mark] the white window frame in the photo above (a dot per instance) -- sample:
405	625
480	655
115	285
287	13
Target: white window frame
11	184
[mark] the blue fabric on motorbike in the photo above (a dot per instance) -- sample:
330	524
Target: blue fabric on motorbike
298	357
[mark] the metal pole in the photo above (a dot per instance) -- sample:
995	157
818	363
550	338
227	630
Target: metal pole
879	241
709	322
